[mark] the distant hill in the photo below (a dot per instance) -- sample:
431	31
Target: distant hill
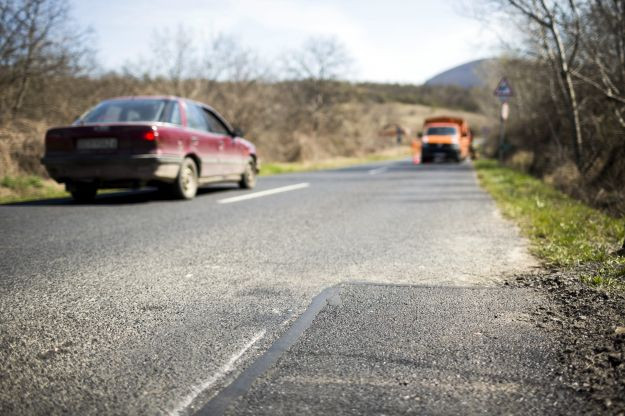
466	75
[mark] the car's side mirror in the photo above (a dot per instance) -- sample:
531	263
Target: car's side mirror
237	132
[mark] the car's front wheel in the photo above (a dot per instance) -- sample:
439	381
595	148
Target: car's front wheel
186	184
83	192
248	178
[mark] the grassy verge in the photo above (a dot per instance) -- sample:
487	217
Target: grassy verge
563	232
334	163
28	188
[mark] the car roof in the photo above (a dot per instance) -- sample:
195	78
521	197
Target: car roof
442	124
158	97
145	97
161	97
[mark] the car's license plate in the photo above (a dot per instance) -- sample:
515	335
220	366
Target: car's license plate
97	144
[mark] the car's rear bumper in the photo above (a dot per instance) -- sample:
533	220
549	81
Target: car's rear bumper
104	169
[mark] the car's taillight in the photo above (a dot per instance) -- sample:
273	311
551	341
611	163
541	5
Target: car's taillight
150	135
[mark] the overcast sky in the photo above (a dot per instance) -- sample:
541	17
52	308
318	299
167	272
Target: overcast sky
389	40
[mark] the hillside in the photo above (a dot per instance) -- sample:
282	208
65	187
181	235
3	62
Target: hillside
469	75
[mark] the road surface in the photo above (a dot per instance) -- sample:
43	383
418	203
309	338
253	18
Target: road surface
139	305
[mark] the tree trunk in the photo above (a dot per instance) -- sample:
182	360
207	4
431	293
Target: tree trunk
33	44
575	122
20	95
570	94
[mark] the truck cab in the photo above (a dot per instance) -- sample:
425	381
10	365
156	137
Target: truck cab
446	138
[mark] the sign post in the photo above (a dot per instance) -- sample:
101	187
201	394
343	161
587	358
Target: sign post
503	92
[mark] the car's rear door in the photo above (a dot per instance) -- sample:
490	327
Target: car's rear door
202	141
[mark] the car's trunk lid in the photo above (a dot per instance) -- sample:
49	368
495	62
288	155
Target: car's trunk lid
119	139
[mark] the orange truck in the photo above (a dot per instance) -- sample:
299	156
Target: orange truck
443	138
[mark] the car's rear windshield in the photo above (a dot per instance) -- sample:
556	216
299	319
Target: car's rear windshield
137	110
441	131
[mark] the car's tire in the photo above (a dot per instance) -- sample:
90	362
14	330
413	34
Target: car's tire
83	192
248	178
186	184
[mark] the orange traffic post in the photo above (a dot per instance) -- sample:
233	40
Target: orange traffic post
416	151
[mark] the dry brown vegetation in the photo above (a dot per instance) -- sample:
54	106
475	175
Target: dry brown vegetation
568	115
284	131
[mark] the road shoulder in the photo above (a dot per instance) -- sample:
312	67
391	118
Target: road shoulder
388	349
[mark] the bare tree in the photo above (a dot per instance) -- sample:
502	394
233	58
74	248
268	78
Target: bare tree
35	42
555	20
312	74
321	59
571	69
174	59
233	78
603	53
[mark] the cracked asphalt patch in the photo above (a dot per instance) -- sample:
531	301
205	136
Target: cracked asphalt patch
380	349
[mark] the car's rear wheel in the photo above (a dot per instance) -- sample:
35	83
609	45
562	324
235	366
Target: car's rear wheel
248	178
186	184
83	192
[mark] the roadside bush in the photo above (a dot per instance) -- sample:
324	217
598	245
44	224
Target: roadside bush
569	106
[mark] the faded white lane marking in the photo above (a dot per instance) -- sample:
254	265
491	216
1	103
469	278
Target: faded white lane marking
206	384
378	170
264	193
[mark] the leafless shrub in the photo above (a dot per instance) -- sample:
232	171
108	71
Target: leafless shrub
570	103
37	43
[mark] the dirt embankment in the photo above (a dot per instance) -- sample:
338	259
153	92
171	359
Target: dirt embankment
590	326
21	148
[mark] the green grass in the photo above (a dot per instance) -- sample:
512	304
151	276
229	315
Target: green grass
611	275
21	183
563	232
28	188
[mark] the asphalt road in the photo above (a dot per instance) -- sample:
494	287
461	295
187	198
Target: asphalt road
138	305
419	350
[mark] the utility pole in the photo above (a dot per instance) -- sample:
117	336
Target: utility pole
505	112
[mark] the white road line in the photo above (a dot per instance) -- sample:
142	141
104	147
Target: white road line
264	193
228	367
378	170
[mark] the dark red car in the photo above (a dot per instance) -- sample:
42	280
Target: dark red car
128	142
